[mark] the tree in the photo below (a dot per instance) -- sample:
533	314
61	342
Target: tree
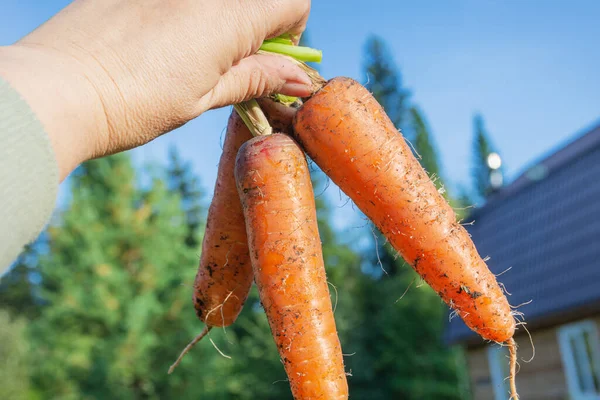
117	310
485	179
14	379
18	287
400	352
385	81
181	179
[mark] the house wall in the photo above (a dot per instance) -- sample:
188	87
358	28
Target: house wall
541	379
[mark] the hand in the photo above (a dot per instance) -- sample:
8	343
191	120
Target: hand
108	75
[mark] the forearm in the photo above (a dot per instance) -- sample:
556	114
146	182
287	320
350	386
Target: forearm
62	99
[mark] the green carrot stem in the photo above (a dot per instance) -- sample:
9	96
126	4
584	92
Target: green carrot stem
281	40
300	53
283	99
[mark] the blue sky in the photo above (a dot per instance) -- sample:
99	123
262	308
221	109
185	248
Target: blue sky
530	67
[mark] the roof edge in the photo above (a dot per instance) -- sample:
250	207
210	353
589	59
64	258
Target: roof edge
538	169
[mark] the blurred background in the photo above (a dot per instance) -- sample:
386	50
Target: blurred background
501	100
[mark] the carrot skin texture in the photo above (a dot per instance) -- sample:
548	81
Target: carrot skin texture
350	137
224	274
276	192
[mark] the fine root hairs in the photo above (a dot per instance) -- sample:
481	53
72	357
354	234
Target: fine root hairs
523	324
327	184
520	322
418	156
406	291
377	251
345	203
204	332
453	314
463	208
336	295
503	272
220	307
219	350
512	350
504	288
522	304
189	347
221	141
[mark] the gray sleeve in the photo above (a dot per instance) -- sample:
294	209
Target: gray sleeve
28	176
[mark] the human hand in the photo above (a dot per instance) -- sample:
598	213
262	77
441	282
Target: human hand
106	76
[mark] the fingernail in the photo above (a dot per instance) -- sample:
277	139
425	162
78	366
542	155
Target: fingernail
304	78
300	77
292	88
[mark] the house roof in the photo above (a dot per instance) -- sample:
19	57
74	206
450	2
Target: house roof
545	227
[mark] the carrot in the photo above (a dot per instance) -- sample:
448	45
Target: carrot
224	274
274	185
349	136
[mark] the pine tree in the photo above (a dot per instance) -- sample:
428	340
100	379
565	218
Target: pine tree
385	81
14	379
182	180
401	353
481	173
117	310
17	287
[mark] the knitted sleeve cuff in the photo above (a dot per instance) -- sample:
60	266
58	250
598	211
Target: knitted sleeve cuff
28	176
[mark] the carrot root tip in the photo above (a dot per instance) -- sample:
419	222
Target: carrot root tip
512	349
189	347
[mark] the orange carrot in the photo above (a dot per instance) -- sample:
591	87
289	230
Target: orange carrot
349	136
276	192
224	274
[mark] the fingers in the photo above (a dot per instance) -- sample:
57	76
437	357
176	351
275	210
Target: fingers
257	76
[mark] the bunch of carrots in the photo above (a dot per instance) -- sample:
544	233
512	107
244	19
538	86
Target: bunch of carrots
262	225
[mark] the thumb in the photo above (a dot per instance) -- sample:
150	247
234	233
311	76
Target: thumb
257	76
